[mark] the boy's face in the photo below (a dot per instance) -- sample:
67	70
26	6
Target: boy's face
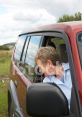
41	66
46	68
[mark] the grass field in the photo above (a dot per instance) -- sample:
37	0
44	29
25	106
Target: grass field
5	57
3	98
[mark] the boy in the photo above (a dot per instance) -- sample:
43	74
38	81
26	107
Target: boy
55	72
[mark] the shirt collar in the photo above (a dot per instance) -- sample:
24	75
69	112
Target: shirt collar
65	66
56	80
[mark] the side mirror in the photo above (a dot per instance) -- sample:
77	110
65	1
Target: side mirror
46	100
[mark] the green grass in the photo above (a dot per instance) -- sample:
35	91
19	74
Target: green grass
4	66
3	98
5	57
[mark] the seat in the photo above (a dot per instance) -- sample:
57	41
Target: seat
63	53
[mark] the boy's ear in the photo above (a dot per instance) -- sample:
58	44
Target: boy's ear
49	62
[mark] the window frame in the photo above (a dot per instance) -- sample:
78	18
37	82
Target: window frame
78	47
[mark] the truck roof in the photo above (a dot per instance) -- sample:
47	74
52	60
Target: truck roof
64	26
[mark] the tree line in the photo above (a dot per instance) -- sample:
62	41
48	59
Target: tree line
66	18
4	47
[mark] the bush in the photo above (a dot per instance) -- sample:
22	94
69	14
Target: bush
4	47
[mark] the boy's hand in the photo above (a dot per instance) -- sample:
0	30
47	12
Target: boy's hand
55	70
50	70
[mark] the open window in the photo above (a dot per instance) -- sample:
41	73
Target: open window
59	45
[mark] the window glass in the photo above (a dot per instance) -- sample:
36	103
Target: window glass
30	57
32	50
19	47
79	44
25	49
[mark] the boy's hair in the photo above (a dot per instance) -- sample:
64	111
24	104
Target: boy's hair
47	53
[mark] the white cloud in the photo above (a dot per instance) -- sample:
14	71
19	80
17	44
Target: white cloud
16	15
34	16
16	19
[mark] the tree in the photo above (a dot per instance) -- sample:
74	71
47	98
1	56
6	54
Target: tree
66	18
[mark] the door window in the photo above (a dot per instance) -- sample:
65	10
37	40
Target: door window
29	65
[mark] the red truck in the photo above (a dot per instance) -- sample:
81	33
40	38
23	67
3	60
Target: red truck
27	95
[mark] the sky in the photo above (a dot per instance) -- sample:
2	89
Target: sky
18	15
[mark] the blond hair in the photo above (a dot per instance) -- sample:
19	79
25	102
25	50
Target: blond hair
47	53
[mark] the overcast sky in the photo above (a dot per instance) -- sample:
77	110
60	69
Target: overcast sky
17	15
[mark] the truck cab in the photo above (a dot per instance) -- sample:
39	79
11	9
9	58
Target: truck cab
66	38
